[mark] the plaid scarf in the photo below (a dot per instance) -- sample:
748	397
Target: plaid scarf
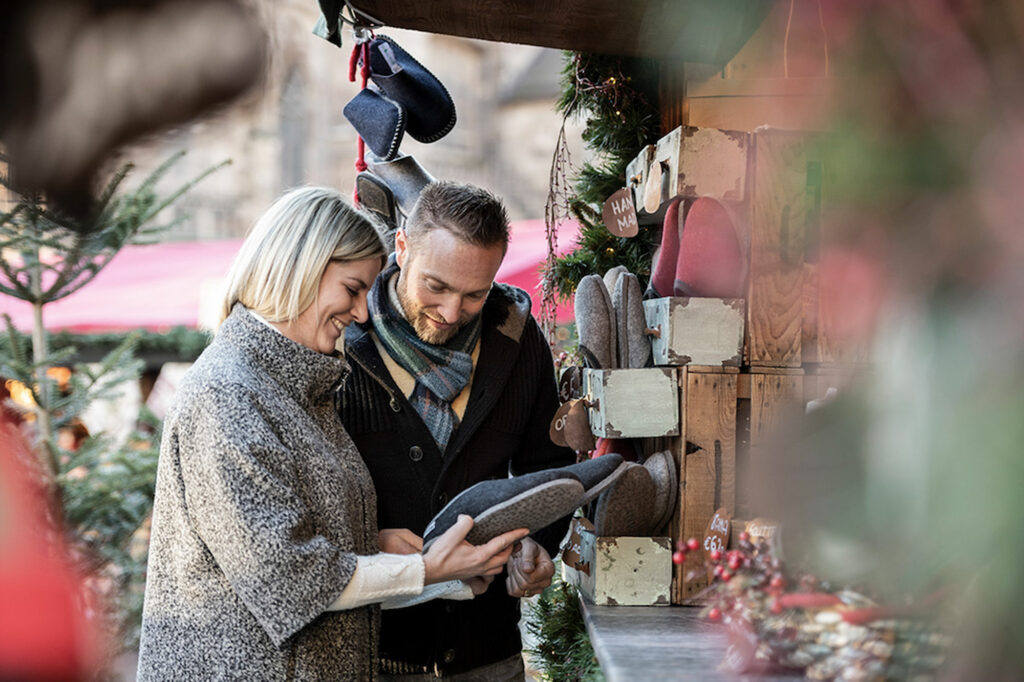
441	372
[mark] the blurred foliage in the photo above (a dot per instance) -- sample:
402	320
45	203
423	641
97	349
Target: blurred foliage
107	495
910	481
618	98
177	344
103	489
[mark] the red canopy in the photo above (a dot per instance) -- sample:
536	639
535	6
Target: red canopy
157	287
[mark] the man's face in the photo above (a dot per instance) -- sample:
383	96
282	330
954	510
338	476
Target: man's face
444	281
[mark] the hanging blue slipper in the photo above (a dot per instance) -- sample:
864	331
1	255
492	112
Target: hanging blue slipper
379	120
529	501
430	109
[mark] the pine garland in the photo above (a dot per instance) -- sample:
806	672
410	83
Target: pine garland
564	652
618	97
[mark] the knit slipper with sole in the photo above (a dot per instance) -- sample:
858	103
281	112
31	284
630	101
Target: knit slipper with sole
497	506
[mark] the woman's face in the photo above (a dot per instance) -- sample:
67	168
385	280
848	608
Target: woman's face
341	299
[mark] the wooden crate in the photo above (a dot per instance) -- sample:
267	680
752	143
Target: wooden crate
621	570
703	162
632	403
698	331
705	456
784	204
636	180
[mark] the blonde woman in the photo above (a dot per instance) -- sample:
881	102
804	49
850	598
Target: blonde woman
265	560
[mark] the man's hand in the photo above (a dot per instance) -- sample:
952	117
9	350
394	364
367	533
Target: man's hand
399	541
529	570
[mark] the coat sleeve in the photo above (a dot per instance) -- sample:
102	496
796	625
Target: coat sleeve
537	451
240	493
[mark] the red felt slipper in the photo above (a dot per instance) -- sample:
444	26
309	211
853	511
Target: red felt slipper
710	262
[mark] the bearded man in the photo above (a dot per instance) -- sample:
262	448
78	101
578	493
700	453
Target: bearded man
452	383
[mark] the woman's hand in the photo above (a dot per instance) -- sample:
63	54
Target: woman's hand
399	541
450	557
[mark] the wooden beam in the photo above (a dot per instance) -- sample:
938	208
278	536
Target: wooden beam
688	30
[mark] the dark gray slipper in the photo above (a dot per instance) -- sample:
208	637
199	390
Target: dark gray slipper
662	468
633	345
404	175
376	197
529	501
626	507
430	108
597	473
595	321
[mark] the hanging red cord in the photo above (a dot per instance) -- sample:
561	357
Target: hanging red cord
360	54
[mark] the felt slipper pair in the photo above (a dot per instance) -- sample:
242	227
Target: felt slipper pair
641	500
700	255
405	96
610	320
529	501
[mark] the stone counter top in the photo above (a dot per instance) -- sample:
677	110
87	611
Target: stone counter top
660	643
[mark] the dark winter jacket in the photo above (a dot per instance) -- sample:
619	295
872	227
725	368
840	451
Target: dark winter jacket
505	428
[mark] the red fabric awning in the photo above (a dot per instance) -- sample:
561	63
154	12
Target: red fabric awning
160	286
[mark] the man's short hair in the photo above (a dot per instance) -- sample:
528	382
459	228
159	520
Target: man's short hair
469	212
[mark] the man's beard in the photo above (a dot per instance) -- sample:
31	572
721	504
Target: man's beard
417	317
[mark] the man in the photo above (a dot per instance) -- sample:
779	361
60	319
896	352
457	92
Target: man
452	383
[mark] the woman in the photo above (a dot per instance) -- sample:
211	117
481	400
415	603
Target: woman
264	561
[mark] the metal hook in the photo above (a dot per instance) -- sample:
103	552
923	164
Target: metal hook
359	18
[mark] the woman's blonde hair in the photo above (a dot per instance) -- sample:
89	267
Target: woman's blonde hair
277	271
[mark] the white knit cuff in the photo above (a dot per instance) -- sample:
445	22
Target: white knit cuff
379	577
455	590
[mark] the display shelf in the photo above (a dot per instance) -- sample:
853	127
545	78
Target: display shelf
674	643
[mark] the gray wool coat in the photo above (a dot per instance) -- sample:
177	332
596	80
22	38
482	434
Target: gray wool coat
262	504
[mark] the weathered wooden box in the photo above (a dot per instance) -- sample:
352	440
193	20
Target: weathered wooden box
632	403
636	180
703	162
699	331
622	571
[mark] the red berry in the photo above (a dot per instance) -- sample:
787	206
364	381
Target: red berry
678	557
693	544
715	614
735	562
715	555
718	570
777	582
744	536
726	576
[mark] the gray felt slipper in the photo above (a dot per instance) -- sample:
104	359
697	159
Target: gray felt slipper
403	175
627	299
597	473
626	507
529	501
595	321
662	468
612	277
